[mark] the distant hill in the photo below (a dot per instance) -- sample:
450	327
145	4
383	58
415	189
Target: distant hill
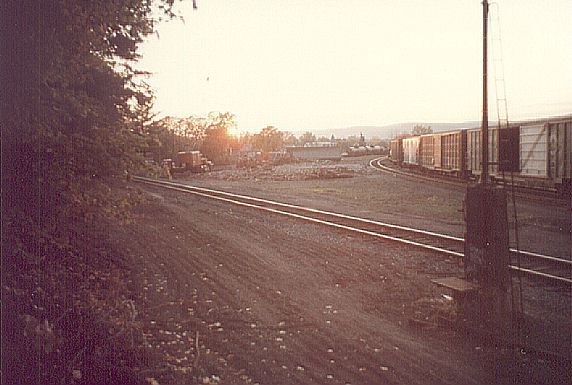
388	131
392	130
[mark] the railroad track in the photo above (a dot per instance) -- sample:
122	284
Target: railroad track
534	194
552	269
377	164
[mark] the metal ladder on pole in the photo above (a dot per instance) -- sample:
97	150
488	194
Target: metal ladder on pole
499	83
498	66
502	113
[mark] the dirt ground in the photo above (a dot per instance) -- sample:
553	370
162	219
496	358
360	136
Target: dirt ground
234	296
353	187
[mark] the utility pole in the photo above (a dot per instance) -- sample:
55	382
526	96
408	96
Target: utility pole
485	121
486	257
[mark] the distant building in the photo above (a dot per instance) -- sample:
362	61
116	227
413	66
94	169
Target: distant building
316	151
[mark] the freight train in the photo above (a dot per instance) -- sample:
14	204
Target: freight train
538	154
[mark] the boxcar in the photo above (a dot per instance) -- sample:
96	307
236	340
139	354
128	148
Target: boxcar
474	165
561	153
396	150
453	152
411	150
427	150
545	154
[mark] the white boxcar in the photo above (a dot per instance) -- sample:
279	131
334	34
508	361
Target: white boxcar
411	150
546	155
546	151
534	150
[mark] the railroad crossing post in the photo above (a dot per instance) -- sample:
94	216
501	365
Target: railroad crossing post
486	258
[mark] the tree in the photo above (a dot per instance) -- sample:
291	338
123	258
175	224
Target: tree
269	139
307	137
74	117
245	139
193	129
216	142
167	136
420	129
290	139
74	111
352	140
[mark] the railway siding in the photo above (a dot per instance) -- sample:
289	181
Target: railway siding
560	269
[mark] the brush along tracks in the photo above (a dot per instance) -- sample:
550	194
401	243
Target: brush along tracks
552	269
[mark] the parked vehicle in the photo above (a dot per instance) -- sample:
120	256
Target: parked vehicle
192	161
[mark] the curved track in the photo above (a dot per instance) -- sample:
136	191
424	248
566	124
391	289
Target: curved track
534	194
552	269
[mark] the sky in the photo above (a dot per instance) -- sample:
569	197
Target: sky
323	64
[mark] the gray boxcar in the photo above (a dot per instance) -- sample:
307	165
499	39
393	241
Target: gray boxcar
474	161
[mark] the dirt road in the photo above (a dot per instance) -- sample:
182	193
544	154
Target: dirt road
234	296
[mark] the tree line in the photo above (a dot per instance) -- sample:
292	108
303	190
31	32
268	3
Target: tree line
212	135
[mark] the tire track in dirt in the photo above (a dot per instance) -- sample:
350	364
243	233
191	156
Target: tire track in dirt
292	308
311	251
292	286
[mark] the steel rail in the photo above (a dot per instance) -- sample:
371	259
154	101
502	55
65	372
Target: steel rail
541	274
376	163
209	193
541	256
183	188
308	209
513	250
526	192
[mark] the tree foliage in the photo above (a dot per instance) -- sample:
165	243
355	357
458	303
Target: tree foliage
269	139
169	135
210	134
290	139
74	108
306	137
216	142
73	117
420	129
